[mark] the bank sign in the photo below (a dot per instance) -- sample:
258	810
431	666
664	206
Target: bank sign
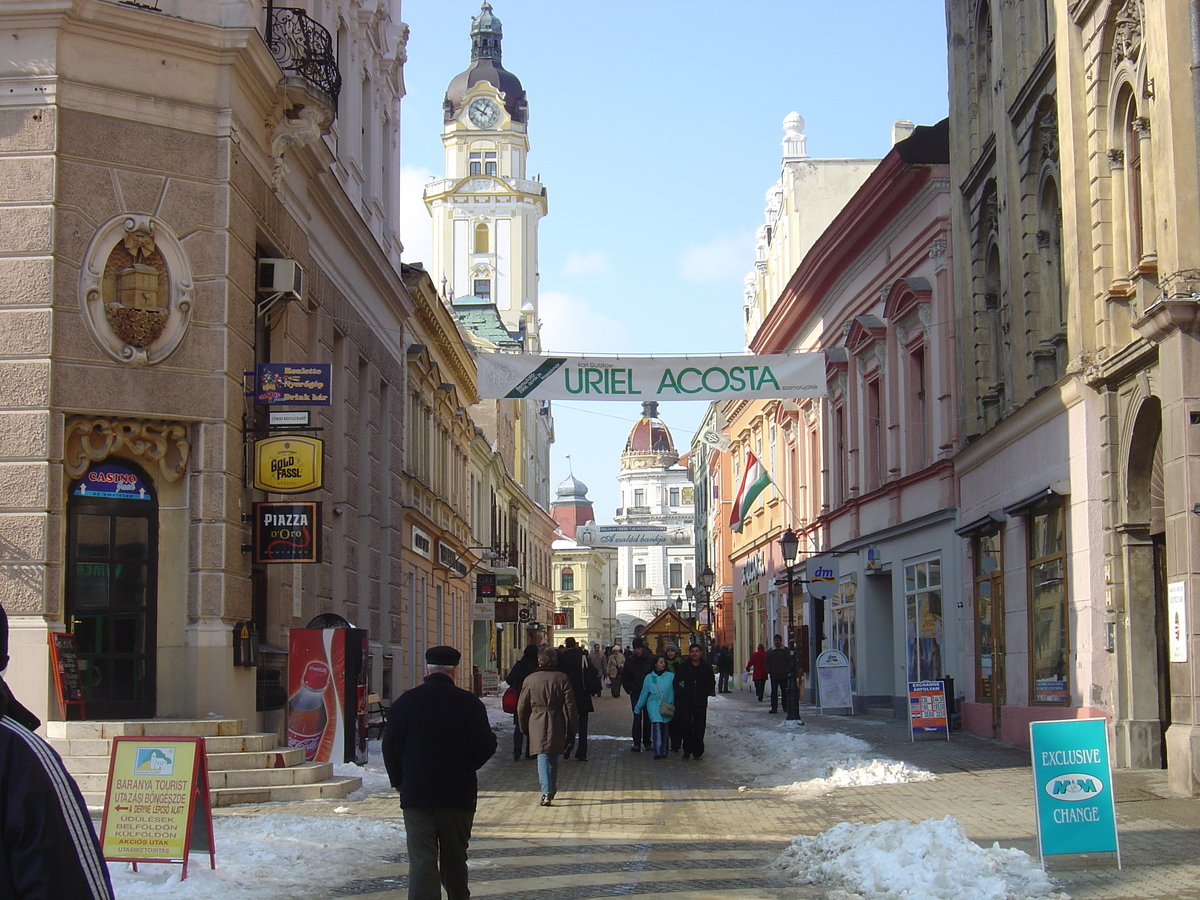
634	535
517	376
1073	788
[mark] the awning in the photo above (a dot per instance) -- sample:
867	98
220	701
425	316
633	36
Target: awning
991	522
1045	494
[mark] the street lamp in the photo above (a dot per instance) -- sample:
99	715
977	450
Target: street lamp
707	579
788	545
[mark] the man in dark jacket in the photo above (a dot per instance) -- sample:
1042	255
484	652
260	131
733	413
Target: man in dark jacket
638	665
571	662
48	849
437	736
779	662
522	669
694	684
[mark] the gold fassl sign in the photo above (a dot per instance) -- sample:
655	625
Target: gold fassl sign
288	464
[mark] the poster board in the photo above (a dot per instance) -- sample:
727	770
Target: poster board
927	710
67	682
833	680
157	806
1073	787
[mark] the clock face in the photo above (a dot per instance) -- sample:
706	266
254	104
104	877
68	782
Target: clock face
483	112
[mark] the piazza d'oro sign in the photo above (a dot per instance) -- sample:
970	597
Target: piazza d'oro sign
288	464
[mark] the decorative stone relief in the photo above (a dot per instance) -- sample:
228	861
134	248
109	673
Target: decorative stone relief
299	124
1141	125
1048	126
135	289
937	252
92	439
1116	158
1127	36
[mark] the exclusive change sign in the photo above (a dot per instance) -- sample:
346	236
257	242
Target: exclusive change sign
513	376
1073	788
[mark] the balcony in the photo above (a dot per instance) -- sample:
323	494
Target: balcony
304	48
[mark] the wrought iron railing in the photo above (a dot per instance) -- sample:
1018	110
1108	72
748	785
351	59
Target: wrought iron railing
301	45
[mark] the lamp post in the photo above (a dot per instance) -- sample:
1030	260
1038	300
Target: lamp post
707	579
788	544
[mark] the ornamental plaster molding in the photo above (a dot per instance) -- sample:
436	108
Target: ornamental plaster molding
295	124
92	439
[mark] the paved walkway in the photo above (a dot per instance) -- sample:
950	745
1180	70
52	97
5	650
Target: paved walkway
626	825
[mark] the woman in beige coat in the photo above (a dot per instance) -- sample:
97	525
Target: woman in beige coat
546	714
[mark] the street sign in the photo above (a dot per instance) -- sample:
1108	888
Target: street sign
1073	787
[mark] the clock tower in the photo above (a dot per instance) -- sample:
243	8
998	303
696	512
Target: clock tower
486	211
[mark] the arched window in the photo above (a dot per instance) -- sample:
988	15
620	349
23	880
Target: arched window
481	238
567	582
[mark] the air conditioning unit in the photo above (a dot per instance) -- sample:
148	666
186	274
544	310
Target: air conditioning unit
280	276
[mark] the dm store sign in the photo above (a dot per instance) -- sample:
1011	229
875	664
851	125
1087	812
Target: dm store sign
1073	787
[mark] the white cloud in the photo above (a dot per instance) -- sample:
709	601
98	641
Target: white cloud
726	258
579	263
416	227
569	325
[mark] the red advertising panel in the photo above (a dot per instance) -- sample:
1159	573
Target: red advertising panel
927	707
327	694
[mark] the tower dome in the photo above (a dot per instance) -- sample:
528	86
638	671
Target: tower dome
486	35
572	489
649	442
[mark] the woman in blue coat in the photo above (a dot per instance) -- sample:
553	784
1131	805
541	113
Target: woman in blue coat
657	689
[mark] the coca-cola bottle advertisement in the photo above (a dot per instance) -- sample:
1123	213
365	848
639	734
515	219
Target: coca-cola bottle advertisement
327	677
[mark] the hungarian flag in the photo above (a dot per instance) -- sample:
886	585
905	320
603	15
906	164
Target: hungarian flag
754	481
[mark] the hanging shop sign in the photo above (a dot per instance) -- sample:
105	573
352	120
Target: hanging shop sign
822	576
644	535
517	376
288	464
1073	787
303	384
287	532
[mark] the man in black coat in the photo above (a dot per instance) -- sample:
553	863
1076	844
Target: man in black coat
779	663
437	736
48	849
571	662
638	665
694	684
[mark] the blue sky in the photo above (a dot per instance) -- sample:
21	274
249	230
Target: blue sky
656	128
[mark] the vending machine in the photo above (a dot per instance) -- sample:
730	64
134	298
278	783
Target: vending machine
327	694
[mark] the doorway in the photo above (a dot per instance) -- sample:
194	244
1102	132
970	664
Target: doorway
111	597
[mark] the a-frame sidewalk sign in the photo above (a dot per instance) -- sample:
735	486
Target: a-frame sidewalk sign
67	682
157	806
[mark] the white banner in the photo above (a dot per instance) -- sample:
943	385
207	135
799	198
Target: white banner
517	376
644	535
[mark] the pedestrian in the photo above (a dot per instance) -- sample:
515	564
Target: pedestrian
694	684
48	849
638	665
522	669
547	713
613	667
757	667
597	660
674	663
574	663
437	736
658	693
779	663
724	663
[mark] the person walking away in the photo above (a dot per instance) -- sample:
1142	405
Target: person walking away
638	665
674	663
547	714
757	667
724	663
522	669
48	849
657	688
694	684
574	663
597	660
779	662
437	736
613	668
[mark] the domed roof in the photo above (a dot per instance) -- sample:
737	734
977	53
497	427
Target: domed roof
572	489
486	34
649	433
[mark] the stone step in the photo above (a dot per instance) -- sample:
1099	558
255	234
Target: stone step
330	789
307	773
92	730
237	743
277	758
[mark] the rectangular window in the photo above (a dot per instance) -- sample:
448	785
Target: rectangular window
639	577
923	619
918	422
568	613
989	618
639	498
673	497
842	634
483	288
876	463
1046	567
489	164
476	163
676	576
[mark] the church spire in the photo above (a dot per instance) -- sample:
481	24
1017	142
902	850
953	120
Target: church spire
486	34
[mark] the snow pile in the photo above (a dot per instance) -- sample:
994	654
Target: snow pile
898	860
800	763
268	856
374	776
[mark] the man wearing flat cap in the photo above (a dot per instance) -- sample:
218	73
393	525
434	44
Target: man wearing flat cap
437	736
